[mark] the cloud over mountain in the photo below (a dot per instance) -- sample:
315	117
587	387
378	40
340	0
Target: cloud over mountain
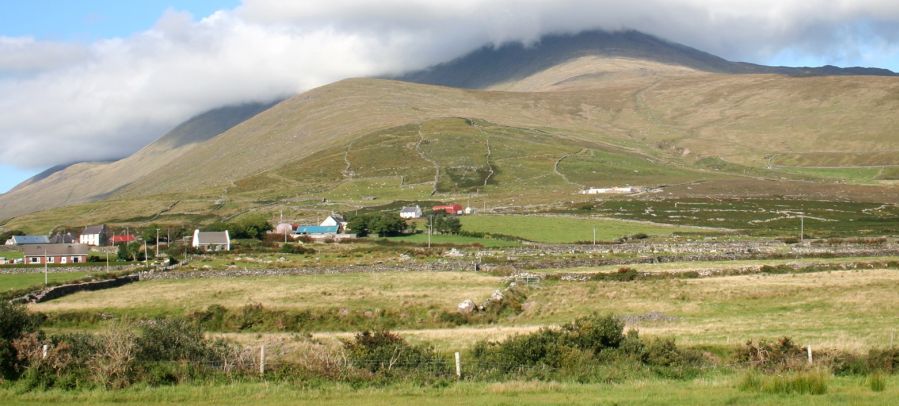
71	101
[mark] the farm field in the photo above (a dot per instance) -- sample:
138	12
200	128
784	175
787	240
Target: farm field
15	281
422	238
844	309
566	229
714	390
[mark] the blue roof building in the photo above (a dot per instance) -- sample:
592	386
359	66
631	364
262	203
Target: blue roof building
317	230
28	239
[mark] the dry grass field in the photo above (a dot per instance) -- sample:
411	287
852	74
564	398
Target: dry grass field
839	309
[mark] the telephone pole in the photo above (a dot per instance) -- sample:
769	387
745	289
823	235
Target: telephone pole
802	227
46	271
157	243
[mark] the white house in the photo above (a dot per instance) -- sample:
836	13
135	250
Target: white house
27	239
412	212
211	240
93	235
335	220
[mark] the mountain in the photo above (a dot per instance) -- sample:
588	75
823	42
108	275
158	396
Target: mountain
88	181
589	120
490	65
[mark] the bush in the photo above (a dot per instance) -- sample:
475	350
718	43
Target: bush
296	249
14	323
782	355
385	353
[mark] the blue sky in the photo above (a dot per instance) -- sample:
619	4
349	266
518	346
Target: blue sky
99	79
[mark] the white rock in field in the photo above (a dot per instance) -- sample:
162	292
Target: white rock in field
466	306
497	296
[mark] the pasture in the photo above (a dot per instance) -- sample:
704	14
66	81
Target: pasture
567	229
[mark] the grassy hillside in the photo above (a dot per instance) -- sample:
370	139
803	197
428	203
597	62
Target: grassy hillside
342	145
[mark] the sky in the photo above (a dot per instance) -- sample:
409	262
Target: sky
99	79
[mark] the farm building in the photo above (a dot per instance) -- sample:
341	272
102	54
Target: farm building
334	220
27	239
411	212
93	235
56	253
63	238
121	239
448	209
319	231
211	240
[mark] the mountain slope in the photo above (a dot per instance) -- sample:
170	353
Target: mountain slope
587	121
87	181
489	66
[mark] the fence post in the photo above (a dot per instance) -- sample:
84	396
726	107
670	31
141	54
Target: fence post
809	348
458	366
44	349
262	360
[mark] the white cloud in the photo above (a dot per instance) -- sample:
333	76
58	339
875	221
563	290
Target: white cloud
65	102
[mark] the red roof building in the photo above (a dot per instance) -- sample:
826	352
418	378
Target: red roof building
121	239
448	209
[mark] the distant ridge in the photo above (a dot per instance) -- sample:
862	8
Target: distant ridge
492	65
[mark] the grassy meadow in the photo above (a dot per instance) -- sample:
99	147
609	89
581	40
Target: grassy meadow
714	390
563	229
840	309
16	281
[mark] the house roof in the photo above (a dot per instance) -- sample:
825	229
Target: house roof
412	209
317	230
94	230
337	217
213	237
121	238
30	239
38	250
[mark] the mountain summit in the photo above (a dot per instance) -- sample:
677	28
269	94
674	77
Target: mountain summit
490	65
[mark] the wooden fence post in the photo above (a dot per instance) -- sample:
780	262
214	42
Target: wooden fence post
44	350
458	366
261	360
809	348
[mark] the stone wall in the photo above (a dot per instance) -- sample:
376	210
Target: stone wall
56	292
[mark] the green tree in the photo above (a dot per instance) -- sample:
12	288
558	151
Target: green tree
444	224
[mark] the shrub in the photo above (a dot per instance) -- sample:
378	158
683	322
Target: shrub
14	323
782	355
171	339
594	333
383	352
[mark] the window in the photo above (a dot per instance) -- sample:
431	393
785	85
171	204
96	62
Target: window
74	260
33	260
50	260
62	260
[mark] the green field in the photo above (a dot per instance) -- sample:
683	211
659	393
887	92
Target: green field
565	229
15	281
714	390
422	238
857	175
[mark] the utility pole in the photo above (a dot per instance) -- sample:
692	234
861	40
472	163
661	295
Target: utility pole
107	261
594	235
46	271
430	226
157	243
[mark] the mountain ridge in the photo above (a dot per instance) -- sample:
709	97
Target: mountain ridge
491	65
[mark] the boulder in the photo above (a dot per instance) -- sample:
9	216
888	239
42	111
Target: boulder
497	296
466	307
